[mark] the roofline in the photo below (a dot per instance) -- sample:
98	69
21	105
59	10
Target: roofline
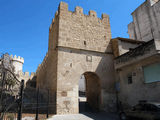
138	7
129	40
133	49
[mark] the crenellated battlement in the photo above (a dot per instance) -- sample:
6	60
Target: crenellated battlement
78	10
43	65
63	9
26	74
92	13
80	31
73	38
18	59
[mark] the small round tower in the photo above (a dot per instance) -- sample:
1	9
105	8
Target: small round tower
17	62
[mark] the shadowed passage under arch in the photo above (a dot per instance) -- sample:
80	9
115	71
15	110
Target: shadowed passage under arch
89	92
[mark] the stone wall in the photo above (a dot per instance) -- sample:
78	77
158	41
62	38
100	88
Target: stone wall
124	45
130	94
80	31
71	65
146	22
47	70
17	62
41	73
82	84
83	45
130	74
141	52
78	43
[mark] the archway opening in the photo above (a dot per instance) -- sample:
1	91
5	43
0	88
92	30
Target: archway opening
89	92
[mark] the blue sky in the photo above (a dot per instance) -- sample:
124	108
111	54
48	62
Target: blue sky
24	24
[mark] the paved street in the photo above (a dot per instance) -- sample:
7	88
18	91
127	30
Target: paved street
86	113
86	116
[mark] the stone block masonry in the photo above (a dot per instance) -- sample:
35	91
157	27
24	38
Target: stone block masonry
78	44
80	31
146	22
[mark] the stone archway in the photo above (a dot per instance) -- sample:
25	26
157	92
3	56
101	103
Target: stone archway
89	92
74	49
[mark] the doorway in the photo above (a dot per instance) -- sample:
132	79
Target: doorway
89	92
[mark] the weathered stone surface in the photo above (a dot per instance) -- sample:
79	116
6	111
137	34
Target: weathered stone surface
130	75
78	44
18	62
131	94
121	46
139	53
146	21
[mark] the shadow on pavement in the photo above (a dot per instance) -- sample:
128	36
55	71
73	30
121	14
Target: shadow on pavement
86	110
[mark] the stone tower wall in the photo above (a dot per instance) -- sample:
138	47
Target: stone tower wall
47	70
83	45
146	22
78	43
80	31
41	73
17	62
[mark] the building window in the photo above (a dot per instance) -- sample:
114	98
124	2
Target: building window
130	79
152	73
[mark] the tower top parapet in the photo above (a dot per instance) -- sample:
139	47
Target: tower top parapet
63	9
18	59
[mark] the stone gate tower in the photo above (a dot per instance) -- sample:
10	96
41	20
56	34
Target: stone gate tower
78	44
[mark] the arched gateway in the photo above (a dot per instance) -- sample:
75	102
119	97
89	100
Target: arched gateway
90	95
77	43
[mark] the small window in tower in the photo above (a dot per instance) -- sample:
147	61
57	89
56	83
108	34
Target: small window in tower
84	42
130	79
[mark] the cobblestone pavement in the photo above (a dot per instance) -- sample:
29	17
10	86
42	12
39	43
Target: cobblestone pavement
86	116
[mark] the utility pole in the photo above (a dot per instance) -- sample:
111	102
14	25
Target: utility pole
20	101
37	104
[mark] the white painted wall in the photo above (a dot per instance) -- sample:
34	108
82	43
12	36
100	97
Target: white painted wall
18	66
82	85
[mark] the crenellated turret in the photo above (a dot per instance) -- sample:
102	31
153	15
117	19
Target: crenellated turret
17	62
18	59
